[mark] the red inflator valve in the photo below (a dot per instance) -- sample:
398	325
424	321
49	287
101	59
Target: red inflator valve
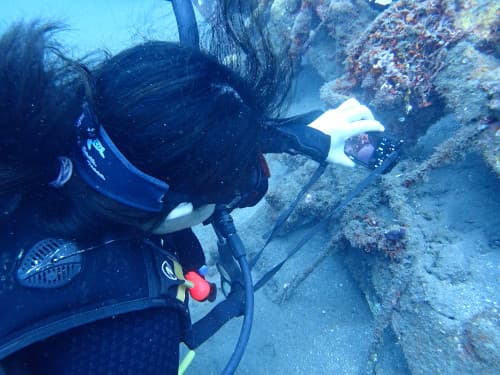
202	290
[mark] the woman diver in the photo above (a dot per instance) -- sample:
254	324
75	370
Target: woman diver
105	168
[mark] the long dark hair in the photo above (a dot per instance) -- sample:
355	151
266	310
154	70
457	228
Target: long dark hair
175	113
238	37
35	98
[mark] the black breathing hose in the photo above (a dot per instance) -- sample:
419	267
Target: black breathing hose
223	224
222	220
186	23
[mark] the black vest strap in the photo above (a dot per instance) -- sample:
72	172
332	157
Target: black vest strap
232	307
119	277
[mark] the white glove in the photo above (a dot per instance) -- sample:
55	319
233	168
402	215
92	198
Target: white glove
349	119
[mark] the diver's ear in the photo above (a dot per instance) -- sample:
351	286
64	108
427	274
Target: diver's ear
182	209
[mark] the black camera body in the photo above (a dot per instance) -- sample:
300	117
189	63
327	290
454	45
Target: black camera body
372	149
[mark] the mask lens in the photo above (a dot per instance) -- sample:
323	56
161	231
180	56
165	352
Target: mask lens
256	186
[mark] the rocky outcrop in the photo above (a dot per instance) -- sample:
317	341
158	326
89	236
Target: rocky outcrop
423	245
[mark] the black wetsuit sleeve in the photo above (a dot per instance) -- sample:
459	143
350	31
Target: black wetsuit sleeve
293	136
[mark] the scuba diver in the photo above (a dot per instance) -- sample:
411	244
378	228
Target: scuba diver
105	168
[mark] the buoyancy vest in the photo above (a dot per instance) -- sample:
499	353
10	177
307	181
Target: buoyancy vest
115	277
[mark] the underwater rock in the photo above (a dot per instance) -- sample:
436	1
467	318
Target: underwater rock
318	201
418	61
483	337
392	66
468	98
439	294
480	21
474	100
317	32
334	33
415	63
423	279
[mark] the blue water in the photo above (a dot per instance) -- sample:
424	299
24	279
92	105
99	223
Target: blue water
107	24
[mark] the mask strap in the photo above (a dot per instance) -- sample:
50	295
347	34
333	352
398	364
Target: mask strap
106	170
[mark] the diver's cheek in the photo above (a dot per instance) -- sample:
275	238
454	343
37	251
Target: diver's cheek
170	225
204	212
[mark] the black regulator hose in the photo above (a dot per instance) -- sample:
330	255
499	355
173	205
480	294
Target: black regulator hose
222	220
186	23
224	225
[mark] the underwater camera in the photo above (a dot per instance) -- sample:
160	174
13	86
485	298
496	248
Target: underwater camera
372	149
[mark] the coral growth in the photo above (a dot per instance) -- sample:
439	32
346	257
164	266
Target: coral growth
373	234
393	65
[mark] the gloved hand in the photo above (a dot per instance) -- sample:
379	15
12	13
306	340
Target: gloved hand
349	119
